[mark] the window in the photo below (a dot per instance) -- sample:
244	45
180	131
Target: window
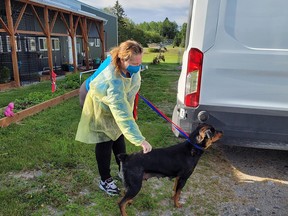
30	44
78	48
97	42
18	44
1	47
17	41
55	44
42	43
8	44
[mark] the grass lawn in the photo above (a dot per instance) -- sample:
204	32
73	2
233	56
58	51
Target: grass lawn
44	171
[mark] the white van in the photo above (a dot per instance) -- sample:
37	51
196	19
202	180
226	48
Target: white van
235	71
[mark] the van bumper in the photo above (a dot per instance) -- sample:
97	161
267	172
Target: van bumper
242	127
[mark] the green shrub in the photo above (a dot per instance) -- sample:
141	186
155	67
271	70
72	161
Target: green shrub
71	81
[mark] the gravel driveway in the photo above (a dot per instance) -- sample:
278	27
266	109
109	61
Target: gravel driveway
262	182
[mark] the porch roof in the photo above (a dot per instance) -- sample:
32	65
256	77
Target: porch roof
66	7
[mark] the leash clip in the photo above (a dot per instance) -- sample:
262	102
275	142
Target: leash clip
209	134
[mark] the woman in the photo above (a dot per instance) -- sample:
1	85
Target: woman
107	112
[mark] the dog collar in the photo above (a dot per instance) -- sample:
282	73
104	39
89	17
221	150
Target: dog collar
195	145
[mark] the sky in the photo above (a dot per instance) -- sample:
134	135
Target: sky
148	10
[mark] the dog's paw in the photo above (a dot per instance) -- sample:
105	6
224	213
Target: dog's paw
178	205
176	201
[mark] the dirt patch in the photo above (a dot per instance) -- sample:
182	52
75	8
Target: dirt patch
261	182
27	174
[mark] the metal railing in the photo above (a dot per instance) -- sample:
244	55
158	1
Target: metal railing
84	72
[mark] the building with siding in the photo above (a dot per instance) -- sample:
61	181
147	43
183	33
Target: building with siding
39	36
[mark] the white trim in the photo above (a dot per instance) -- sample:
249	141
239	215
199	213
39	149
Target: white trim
29	44
55	44
97	42
44	43
17	41
8	43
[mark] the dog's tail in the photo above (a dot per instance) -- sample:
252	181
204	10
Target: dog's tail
122	157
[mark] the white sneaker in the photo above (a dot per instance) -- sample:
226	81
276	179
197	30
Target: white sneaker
109	187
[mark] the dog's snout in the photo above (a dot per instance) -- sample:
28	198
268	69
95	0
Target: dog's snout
221	133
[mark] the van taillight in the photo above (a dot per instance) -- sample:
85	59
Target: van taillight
193	78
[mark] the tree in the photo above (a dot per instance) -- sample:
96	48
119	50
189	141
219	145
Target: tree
109	10
118	11
151	26
180	37
177	39
152	32
169	29
153	37
183	34
132	31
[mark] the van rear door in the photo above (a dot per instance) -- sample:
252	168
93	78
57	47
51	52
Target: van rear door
244	71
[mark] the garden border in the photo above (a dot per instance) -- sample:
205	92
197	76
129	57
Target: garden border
9	85
6	121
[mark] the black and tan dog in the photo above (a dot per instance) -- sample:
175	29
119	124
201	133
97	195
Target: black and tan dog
178	161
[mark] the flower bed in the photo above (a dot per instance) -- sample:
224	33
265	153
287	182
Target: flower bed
6	121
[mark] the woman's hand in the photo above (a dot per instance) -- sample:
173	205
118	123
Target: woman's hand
146	147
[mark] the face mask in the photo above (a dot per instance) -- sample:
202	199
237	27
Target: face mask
133	69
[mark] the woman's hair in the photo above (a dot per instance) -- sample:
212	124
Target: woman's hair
124	51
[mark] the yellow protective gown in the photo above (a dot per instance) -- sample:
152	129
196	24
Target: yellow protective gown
108	109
